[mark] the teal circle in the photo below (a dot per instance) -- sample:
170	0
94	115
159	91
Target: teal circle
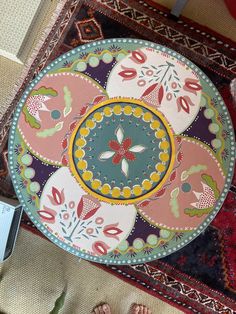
27	159
107	57
216	143
186	187
29	173
214	128
55	114
152	239
138	244
209	113
34	187
93	62
99	139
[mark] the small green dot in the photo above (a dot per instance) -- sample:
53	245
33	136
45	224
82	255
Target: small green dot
81	66
208	113
29	173
138	244
164	233
123	246
107	57
34	187
214	128
152	239
216	143
93	62
120	56
203	102
27	159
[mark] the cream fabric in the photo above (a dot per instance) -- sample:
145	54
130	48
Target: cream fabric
35	275
10	71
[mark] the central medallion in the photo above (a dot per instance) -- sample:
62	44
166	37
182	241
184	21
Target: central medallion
122	151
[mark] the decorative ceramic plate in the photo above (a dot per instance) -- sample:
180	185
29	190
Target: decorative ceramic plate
121	151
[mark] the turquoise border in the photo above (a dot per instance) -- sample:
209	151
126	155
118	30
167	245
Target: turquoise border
129	44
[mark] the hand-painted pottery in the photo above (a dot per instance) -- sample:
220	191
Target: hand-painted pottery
121	151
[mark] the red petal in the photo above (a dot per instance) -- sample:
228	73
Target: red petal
173	176
130	156
80	207
182	103
179	156
192	85
47	215
87	207
111	231
64	161
73	125
149	90
100	248
117	158
128	73
153	94
127	143
138	56
83	110
143	204
64	143
114	145
160	94
98	99
160	193
58	196
91	213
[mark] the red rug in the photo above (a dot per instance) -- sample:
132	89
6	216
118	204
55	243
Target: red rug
201	277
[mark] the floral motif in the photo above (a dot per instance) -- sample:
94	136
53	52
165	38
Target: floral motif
122	151
35	104
206	198
184	102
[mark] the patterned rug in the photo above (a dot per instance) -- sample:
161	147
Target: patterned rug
201	277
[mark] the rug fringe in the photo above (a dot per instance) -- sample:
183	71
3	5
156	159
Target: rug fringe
34	54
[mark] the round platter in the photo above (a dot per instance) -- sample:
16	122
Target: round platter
121	151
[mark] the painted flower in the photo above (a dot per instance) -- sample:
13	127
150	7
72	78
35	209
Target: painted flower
35	104
87	207
58	197
192	86
206	198
184	103
47	215
122	151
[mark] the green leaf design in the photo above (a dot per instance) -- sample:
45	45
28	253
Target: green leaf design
68	101
59	303
30	119
197	211
44	91
41	91
211	183
50	132
174	205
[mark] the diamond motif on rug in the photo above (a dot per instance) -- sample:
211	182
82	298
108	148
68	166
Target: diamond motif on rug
88	30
